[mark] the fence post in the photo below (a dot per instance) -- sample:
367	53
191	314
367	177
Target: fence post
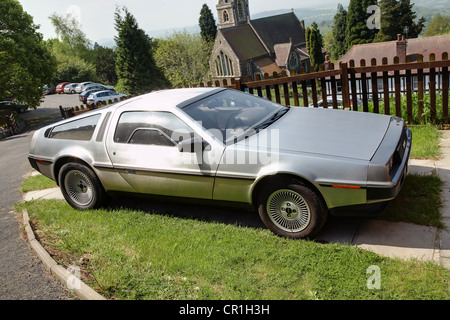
268	89
398	101
63	114
445	90
295	89
409	93
345	87
323	87
421	88
364	88
277	89
387	100
433	90
374	79
353	86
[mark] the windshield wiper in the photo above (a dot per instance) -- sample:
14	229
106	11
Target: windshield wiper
270	121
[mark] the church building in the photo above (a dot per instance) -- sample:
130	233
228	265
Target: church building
246	47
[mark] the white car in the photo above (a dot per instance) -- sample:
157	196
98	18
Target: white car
70	88
340	103
98	86
80	88
104	97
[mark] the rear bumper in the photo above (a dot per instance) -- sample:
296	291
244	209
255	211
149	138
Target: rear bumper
376	194
398	173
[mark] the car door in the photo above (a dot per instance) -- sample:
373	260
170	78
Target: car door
143	147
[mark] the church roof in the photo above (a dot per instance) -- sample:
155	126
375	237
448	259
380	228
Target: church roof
282	51
268	65
281	28
245	43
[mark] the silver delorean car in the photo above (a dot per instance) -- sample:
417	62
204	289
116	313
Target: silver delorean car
295	166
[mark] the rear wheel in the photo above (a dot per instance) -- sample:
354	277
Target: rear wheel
81	187
291	209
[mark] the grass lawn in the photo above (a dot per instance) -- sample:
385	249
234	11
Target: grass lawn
38	182
130	254
426	140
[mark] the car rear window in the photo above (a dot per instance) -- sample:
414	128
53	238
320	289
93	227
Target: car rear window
80	130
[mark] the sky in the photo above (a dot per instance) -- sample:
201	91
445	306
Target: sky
97	16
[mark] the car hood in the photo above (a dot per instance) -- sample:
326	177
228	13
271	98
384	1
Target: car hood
339	133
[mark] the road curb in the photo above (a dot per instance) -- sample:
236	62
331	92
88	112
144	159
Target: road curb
81	290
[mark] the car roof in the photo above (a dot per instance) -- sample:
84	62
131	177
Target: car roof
101	91
166	100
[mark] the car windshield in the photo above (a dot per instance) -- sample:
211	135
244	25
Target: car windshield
233	115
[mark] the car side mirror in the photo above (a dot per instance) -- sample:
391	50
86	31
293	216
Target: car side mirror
194	145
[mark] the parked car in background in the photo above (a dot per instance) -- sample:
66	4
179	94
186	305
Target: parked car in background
85	95
340	103
104	96
330	103
60	87
70	88
81	86
295	166
12	106
98	86
49	90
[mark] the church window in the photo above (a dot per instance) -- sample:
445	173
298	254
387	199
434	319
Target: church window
228	66
217	68
231	68
226	18
224	66
219	64
293	61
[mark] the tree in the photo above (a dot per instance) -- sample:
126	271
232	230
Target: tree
69	32
407	20
74	55
184	58
135	65
438	26
74	69
396	17
357	31
338	47
26	64
105	66
316	45
207	24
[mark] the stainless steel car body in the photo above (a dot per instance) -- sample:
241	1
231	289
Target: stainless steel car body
349	158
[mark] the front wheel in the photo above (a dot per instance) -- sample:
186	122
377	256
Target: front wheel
81	187
292	210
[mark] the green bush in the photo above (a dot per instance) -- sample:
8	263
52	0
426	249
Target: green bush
415	108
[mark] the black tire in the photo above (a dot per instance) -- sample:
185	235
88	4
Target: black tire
291	209
81	187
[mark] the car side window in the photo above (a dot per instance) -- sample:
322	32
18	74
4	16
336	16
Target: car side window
151	128
81	130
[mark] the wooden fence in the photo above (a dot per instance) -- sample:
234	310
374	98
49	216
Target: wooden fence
74	111
360	87
368	88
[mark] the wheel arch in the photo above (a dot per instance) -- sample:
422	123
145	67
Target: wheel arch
69	159
282	178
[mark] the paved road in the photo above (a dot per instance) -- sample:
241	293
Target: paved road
22	276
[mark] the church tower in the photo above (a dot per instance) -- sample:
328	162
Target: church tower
232	13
